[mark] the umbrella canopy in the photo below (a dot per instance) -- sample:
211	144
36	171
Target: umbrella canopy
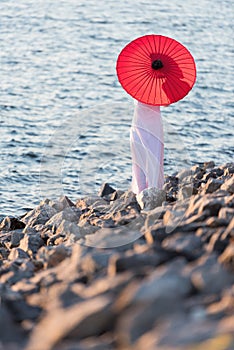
156	70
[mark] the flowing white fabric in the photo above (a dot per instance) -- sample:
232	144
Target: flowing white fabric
147	147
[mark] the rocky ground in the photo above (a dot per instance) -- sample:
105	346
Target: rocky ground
116	271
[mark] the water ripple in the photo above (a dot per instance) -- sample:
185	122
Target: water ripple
58	64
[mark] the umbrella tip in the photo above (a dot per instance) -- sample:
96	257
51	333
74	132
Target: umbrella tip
157	64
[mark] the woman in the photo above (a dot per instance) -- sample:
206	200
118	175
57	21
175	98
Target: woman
147	147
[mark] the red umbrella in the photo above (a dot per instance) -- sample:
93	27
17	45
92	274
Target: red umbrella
156	70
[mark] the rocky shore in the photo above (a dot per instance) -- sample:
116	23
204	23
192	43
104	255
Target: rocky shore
119	271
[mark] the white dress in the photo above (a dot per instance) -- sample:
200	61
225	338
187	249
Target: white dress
147	147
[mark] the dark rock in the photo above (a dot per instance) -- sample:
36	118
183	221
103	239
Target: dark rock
162	285
12	238
80	266
205	233
213	205
201	217
24	288
86	202
214	221
227	258
102	258
184	173
68	297
171	197
16	271
229	185
125	202
85	319
164	254
5	238
212	185
137	262
40	215
219	172
226	213
70	214
208	176
21	310
45	279
217	242
69	229
209	165
115	237
222	307
229	201
197	169
57	239
10	224
124	217
3	253
215	173
185	192
10	331
62	203
189	245
18	253
112	196
153	216
30	243
198	178
173	217
230	229
208	275
103	342
155	233
16	236
66	202
105	190
85	228
185	227
170	182
139	320
52	256
180	331
229	170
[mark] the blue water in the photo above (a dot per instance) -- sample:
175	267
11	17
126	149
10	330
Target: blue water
64	118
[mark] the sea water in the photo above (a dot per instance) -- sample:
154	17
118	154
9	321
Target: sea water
65	119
